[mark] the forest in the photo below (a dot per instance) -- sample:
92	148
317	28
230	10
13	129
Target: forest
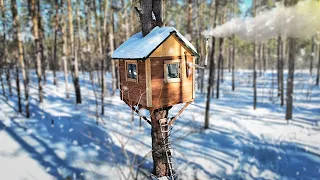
159	89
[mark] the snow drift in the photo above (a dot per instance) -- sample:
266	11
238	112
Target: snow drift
300	21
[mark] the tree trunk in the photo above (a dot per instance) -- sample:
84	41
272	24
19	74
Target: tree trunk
35	32
318	71
290	80
212	68
264	57
254	65
219	66
42	45
64	53
2	83
279	53
18	88
3	60
281	65
55	56
291	62
74	56
160	144
111	45
312	56
16	29
189	23
233	61
8	78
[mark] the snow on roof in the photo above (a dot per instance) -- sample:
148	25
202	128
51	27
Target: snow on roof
139	47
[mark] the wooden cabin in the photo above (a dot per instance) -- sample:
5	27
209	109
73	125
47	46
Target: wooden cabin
157	70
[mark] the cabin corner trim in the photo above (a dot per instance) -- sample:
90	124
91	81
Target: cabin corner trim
148	83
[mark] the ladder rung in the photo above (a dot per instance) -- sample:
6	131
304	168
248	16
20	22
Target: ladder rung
163	121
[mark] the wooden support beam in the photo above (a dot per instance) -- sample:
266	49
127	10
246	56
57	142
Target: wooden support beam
178	114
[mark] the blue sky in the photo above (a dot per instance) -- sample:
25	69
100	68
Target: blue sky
245	5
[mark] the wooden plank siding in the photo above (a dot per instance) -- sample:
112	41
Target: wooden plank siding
168	94
133	93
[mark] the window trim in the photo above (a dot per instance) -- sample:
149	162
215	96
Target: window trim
171	80
127	64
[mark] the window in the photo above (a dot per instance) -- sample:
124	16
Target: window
172	71
132	71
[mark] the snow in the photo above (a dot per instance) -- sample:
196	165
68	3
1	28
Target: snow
299	21
139	47
241	143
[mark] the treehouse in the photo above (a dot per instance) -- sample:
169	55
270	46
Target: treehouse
158	70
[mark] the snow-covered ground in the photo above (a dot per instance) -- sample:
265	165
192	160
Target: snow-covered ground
62	140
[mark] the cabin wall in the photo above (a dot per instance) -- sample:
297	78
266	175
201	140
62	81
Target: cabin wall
133	92
168	94
171	47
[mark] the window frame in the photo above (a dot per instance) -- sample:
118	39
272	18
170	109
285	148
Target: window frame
166	78
127	65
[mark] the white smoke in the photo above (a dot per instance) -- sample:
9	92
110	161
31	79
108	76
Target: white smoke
301	21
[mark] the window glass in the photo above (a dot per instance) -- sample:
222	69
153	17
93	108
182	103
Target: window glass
132	71
173	70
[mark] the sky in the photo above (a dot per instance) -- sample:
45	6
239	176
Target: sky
245	6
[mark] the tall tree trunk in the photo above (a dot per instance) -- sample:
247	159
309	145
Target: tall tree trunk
212	68
17	40
55	45
8	78
189	23
74	56
312	55
233	61
264	57
279	53
281	66
219	66
290	80
111	45
42	45
160	161
64	53
318	71
35	32
291	63
18	88
254	65
4	55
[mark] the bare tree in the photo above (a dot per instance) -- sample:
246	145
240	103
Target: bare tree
318	71
211	68
74	56
55	45
64	52
254	65
18	44
292	42
35	31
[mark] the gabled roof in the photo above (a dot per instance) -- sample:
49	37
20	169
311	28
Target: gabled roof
139	47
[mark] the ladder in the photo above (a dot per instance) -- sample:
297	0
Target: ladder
164	129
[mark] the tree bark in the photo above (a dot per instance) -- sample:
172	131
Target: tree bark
111	45
74	56
35	32
233	61
318	71
219	66
254	65
55	56
291	63
160	161
189	23
17	40
281	65
212	68
64	53
312	56
42	44
290	80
